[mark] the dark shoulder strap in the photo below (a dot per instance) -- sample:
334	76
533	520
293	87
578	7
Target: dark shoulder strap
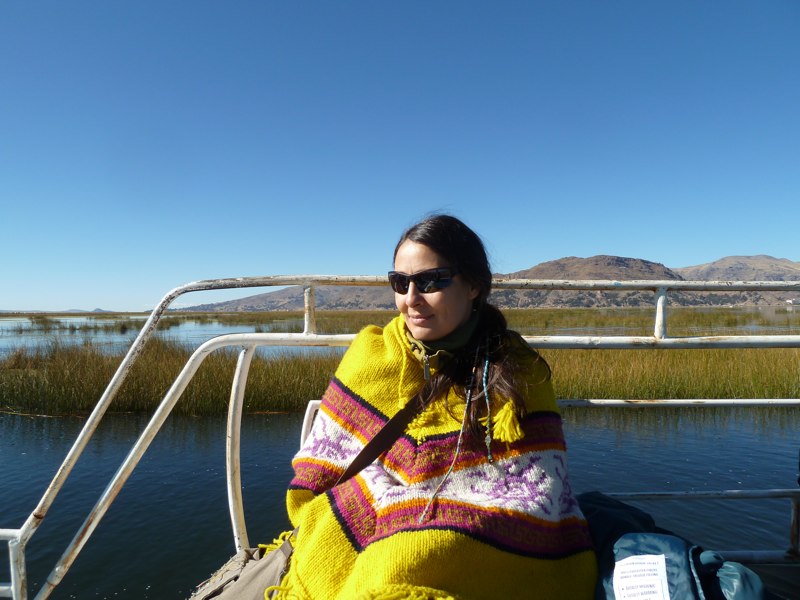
383	440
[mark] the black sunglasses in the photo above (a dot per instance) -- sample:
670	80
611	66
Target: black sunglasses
427	281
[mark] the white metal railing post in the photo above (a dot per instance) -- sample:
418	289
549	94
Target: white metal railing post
309	310
233	449
16	556
660	329
17	587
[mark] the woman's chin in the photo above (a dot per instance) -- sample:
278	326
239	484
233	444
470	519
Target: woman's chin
426	334
423	333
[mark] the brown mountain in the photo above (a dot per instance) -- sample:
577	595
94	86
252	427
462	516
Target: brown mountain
734	268
744	268
731	268
594	267
291	298
597	267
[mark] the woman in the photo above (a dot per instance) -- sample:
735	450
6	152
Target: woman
473	501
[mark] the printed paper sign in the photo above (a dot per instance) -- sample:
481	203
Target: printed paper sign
641	578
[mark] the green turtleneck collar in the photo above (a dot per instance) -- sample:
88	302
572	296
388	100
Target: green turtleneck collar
439	350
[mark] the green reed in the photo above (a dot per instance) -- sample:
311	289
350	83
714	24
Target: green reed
61	379
681	321
70	379
679	374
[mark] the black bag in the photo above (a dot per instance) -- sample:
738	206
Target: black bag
642	558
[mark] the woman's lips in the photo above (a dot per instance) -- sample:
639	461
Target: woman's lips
419	319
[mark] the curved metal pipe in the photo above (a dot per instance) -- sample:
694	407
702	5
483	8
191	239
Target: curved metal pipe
233	449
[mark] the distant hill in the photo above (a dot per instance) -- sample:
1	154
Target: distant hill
744	268
734	268
594	267
291	298
597	267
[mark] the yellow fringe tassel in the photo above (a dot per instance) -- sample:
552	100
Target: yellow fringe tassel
505	425
277	542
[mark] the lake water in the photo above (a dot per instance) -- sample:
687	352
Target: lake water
19	332
115	334
169	528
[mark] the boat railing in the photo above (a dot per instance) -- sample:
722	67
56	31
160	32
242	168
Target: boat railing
17	539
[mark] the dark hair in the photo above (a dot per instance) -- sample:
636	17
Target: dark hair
491	341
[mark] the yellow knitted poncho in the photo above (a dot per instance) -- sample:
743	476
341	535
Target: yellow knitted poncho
510	528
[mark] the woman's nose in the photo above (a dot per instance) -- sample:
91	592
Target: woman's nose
413	295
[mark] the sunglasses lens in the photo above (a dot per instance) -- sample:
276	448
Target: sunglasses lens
399	282
428	282
425	281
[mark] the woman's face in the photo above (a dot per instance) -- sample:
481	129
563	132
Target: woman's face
431	316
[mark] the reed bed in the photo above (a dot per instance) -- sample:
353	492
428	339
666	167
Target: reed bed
679	374
681	321
62	379
69	379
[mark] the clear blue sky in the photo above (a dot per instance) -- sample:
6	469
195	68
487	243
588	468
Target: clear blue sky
148	144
